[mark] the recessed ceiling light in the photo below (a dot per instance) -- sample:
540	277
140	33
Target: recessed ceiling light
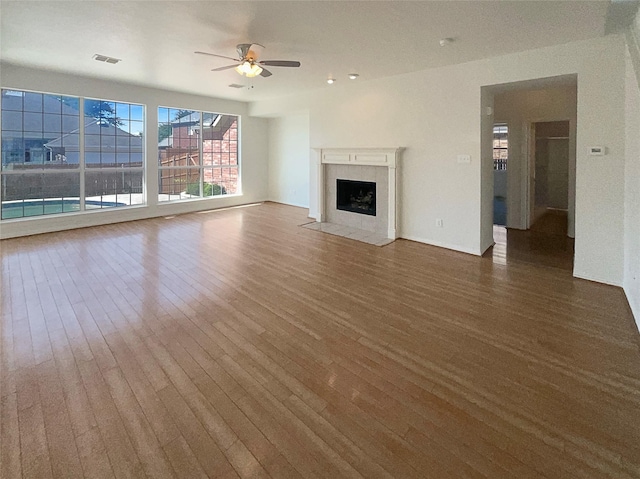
446	41
106	59
353	76
331	81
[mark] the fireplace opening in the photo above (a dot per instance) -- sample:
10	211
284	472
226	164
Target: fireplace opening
356	196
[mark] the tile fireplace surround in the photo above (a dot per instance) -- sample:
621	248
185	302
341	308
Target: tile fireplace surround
377	165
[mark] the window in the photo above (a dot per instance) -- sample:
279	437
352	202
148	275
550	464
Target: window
43	169
113	146
500	147
40	167
197	154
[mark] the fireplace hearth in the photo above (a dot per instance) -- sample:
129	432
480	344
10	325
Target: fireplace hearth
356	196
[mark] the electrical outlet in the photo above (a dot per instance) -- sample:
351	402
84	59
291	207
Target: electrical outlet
439	223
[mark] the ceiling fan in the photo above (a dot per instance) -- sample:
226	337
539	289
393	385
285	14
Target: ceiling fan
248	63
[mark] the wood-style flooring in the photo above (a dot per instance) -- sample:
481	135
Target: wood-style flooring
235	343
545	244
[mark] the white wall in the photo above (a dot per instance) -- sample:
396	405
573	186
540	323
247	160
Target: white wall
289	159
632	188
253	147
633	44
436	115
519	108
487	99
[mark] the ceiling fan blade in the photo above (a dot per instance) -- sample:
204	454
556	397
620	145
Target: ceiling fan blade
265	73
219	69
214	55
242	49
249	50
255	50
280	63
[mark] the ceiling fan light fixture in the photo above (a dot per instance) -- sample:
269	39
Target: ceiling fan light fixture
249	69
331	80
247	64
353	76
255	71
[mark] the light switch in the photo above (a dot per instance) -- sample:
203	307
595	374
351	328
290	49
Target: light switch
464	158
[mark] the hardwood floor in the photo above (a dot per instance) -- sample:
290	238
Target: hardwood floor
237	344
545	244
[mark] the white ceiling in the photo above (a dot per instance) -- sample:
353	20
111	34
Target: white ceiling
156	40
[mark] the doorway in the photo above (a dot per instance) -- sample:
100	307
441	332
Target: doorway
546	239
535	175
500	162
550	180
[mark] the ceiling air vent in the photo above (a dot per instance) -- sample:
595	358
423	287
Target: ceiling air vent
104	58
235	85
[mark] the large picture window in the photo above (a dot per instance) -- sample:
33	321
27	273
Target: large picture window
197	154
40	170
53	164
113	147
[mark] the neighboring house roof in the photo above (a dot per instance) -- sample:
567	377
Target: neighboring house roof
23	118
34	102
99	137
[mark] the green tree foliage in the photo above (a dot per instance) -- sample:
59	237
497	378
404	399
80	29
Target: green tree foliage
100	110
103	111
183	113
164	131
210	189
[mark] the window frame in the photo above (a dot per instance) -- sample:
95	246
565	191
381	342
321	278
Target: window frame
115	169
80	168
200	167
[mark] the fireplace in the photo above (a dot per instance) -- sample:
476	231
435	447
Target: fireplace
356	196
372	175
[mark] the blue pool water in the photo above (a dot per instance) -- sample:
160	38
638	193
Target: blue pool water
26	208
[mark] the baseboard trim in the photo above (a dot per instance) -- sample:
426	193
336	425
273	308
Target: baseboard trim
459	249
289	204
596	280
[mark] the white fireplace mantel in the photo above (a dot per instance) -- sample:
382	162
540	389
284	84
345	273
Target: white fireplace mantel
381	157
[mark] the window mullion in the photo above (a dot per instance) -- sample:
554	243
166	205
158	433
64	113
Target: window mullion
201	154
81	162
